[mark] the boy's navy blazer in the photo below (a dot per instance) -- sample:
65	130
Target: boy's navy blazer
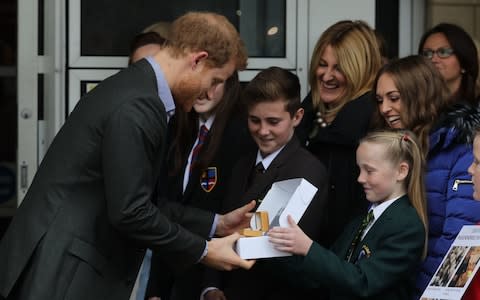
292	162
386	258
81	231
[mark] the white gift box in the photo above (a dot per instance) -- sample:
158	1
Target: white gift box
287	197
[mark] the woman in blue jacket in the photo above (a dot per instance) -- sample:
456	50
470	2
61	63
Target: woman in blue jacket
410	93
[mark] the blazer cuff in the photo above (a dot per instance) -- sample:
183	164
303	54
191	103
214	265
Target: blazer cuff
214	226
205	251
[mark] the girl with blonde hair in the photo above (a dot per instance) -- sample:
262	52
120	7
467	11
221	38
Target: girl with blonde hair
376	254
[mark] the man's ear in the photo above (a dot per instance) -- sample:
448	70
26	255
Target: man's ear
403	170
298	116
198	57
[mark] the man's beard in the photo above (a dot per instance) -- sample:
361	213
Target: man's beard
186	92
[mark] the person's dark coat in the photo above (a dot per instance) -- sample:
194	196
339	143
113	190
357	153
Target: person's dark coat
81	230
335	146
292	162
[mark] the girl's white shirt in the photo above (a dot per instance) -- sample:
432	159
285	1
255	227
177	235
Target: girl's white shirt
378	209
186	174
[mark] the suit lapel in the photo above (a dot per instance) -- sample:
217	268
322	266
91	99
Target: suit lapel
159	162
382	224
390	213
247	165
342	245
282	157
259	189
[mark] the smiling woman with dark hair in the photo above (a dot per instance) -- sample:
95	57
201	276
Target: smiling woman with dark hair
411	94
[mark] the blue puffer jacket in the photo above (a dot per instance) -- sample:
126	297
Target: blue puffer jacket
448	185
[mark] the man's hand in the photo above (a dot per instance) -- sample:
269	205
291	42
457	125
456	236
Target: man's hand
221	255
235	220
291	239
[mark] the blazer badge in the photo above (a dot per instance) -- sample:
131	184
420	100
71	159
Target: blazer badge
365	252
208	179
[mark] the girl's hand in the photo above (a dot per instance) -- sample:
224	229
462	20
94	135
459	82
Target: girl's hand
291	239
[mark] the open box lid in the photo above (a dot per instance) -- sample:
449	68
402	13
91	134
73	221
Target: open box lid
286	197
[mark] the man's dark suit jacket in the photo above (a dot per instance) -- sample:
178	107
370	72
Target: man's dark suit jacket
292	162
81	230
385	264
235	140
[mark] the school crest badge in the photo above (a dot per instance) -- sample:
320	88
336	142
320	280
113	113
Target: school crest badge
364	253
208	179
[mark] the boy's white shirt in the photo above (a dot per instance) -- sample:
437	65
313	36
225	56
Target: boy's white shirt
266	161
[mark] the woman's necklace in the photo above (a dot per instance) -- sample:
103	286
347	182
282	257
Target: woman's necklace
320	120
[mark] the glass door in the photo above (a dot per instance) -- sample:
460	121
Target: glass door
98	43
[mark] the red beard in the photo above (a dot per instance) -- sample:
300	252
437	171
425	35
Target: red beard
186	92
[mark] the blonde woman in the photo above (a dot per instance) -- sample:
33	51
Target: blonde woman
337	113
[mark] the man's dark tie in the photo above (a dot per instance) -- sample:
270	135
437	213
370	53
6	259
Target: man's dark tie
202	134
358	237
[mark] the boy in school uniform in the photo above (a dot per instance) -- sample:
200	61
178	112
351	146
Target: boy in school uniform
272	100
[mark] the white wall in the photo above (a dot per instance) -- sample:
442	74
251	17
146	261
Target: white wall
323	13
411	27
465	13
